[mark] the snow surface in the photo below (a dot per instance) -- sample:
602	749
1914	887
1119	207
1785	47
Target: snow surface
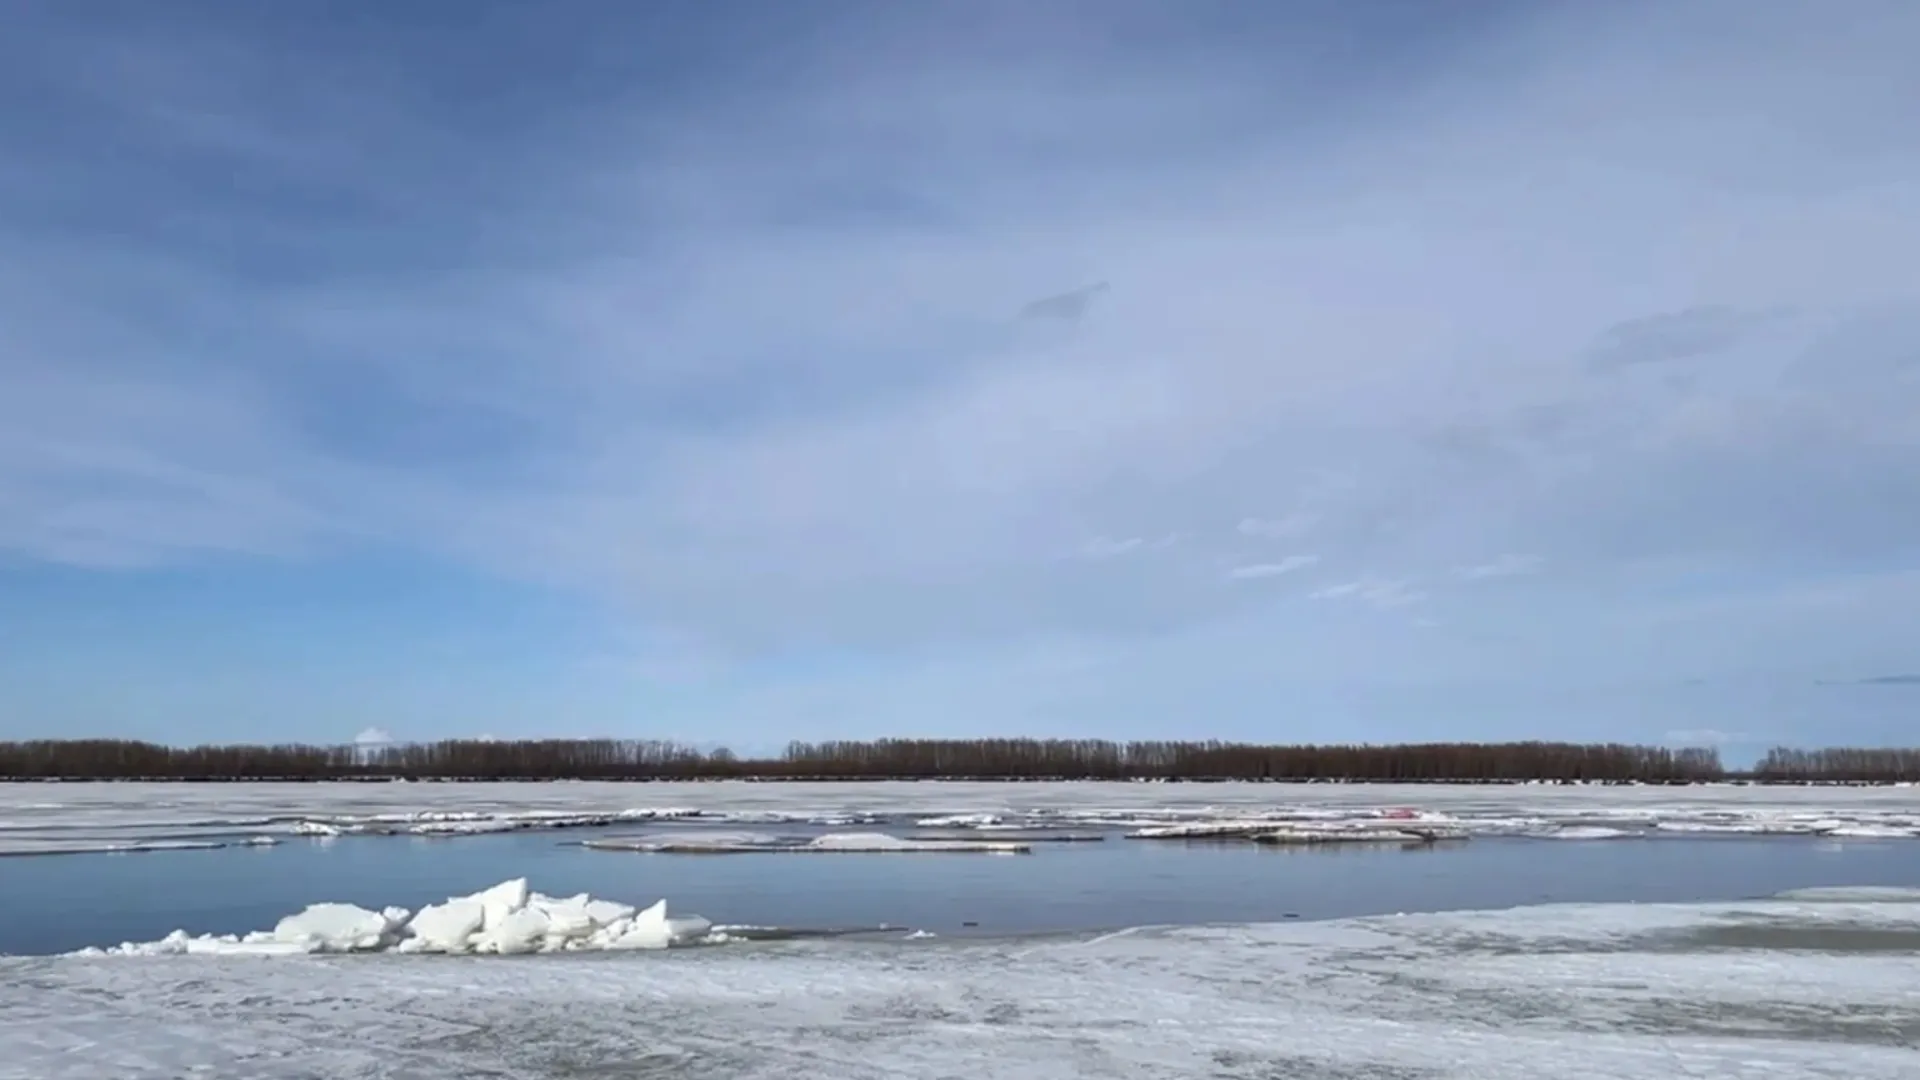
1814	985
506	919
46	818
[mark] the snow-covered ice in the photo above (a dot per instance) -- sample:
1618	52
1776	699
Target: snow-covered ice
1221	828
1591	832
505	919
960	821
147	816
882	842
863	843
55	845
1869	832
1023	836
1375	835
1813	985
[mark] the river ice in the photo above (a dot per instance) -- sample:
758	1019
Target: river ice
55	818
507	919
1824	983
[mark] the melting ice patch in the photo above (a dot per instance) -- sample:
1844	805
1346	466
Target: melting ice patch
505	919
1574	992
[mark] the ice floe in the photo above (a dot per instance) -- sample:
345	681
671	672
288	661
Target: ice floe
1591	832
508	918
1871	832
883	842
1283	828
1366	835
315	828
1203	830
960	821
1023	836
724	843
56	846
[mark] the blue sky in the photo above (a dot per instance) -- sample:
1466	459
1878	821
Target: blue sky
675	369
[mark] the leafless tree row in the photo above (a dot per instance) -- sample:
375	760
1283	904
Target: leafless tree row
929	759
548	759
1841	764
1100	759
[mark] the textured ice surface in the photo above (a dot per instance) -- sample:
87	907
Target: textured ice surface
1819	985
81	817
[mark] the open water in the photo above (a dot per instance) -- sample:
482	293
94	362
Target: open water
58	903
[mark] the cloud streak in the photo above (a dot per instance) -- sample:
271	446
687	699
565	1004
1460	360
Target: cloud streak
1288	565
1374	592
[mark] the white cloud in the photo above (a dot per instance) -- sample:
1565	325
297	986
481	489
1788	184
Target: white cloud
1272	569
1106	547
1503	566
1712	737
1381	593
372	736
1103	547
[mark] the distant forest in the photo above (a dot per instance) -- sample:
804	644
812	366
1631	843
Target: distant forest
941	759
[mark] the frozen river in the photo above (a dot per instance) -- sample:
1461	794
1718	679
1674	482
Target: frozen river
1552	931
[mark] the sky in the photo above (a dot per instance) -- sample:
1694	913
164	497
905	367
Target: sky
1321	371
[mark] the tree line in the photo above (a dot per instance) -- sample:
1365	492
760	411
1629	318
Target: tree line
1095	759
904	759
1840	764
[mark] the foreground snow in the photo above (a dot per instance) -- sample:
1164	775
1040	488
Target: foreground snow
1817	984
50	818
505	919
